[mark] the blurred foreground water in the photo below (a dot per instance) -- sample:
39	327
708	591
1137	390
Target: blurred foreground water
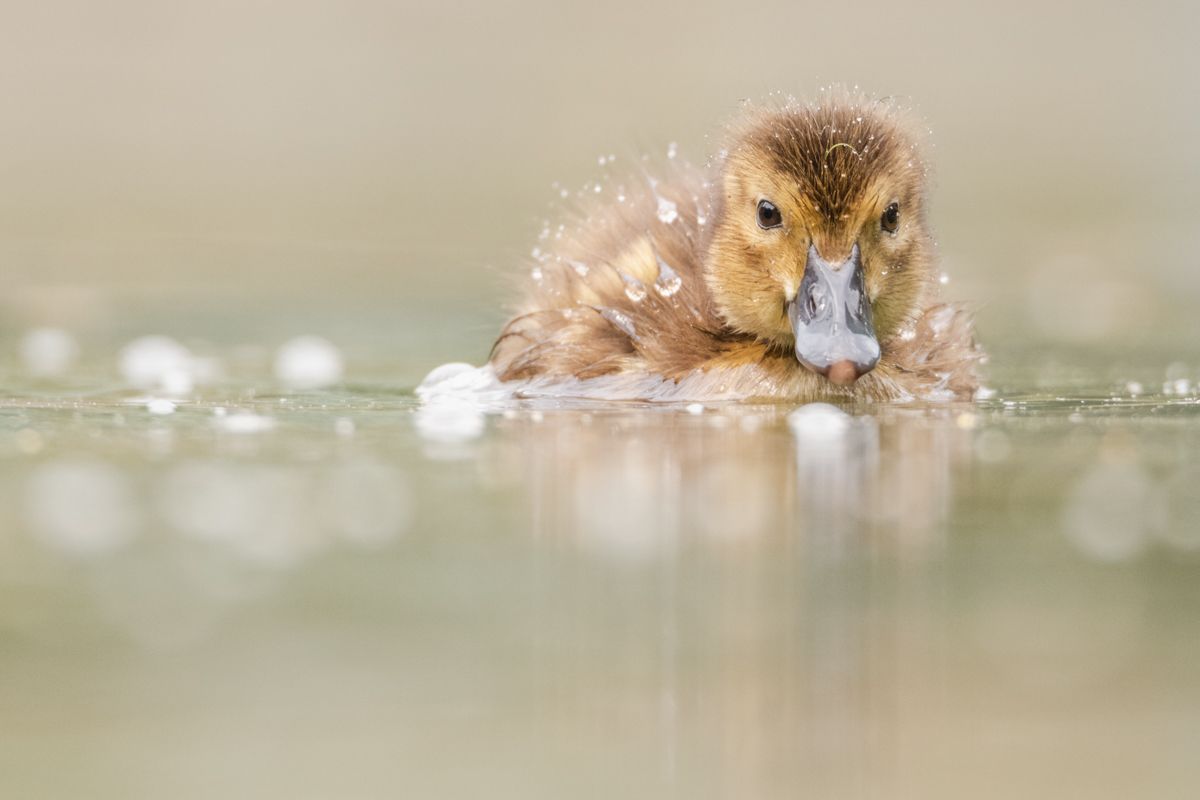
220	580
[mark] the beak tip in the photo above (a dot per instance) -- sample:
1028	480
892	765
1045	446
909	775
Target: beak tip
842	373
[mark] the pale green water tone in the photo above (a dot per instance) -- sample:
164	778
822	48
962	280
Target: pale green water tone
217	584
220	586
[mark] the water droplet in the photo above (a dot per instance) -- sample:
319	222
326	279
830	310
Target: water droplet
536	274
672	150
620	320
944	279
579	267
635	290
668	212
668	281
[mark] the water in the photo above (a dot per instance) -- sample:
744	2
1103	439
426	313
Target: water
279	592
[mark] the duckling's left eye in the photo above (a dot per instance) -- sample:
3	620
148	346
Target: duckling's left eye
768	215
891	218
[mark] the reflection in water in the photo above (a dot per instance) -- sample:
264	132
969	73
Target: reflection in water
739	612
641	487
605	601
1112	511
81	506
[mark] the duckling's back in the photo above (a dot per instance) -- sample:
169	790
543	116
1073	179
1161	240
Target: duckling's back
618	286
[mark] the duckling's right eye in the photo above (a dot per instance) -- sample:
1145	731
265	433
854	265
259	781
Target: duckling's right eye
768	215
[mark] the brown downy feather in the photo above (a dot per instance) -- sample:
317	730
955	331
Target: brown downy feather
671	279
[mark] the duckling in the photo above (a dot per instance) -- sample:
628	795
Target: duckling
799	265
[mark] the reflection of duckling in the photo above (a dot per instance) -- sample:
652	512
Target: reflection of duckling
804	269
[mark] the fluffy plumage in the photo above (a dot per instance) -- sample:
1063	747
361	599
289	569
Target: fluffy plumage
668	287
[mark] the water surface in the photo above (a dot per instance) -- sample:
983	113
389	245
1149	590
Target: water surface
245	589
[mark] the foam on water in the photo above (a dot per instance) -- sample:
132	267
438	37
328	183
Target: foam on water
454	398
158	362
819	422
48	352
308	362
479	388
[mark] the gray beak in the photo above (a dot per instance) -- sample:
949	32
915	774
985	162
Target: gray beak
831	318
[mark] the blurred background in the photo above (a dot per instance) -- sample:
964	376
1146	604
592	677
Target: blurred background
380	167
237	558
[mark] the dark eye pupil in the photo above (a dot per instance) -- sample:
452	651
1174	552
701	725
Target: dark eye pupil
768	215
891	217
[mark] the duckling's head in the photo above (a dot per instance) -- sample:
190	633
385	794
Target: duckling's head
819	243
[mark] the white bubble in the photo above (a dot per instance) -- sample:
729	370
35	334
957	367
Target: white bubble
158	362
450	420
81	506
460	380
819	422
308	362
244	422
160	406
694	408
48	352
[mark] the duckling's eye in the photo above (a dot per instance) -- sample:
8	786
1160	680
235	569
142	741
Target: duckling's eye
768	215
891	218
